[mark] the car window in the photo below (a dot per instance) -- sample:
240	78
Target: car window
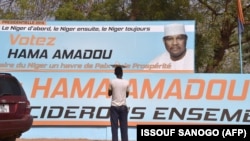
9	86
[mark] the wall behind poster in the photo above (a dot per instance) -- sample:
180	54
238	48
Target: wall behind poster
65	68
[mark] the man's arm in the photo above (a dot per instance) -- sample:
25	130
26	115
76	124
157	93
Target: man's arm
127	93
110	89
110	92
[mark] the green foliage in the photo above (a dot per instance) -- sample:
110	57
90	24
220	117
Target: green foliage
70	10
159	9
109	10
7	15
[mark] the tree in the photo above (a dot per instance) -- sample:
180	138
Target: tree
29	9
72	10
217	37
110	10
159	10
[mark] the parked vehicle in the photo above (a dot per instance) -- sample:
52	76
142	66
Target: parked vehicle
15	109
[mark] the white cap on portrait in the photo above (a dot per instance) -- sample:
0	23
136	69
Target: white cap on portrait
174	29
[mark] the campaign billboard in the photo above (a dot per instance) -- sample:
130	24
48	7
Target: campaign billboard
65	68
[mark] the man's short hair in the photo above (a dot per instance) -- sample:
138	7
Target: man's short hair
118	70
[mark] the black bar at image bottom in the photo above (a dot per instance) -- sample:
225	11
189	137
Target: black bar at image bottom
194	132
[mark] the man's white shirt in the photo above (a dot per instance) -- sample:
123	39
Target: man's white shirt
119	88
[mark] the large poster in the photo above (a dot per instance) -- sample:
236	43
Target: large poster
65	70
37	46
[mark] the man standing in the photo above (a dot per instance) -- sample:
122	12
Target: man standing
177	56
119	90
